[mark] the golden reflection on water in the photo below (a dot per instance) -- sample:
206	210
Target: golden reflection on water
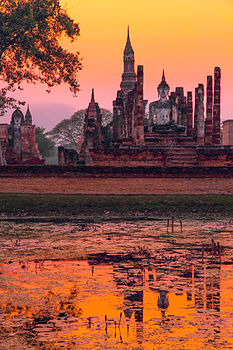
107	301
68	300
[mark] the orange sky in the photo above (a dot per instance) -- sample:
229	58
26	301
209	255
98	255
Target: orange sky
185	37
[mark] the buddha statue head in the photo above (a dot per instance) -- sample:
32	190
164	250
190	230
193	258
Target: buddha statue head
163	89
17	118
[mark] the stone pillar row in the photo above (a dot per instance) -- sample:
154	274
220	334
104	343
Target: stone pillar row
211	126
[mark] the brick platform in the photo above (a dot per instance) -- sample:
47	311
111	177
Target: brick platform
117	185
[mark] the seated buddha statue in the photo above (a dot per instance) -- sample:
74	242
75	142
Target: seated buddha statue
160	112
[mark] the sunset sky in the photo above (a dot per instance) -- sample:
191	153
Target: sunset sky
185	37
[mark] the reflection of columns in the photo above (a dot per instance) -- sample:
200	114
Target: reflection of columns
139	307
136	300
216	109
207	298
212	288
189	284
209	111
199	293
216	290
133	299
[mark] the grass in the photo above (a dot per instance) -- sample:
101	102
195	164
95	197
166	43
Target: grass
122	205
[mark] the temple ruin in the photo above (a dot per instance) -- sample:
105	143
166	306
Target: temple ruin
17	141
177	131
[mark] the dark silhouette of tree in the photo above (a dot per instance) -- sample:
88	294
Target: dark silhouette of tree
31	50
45	145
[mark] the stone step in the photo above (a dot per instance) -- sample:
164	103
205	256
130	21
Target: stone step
181	151
181	164
187	159
181	156
181	160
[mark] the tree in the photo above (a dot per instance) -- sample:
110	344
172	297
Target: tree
31	50
45	145
67	132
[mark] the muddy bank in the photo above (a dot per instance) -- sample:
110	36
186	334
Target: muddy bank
61	208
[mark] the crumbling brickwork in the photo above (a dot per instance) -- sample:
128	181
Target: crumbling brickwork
18	144
172	135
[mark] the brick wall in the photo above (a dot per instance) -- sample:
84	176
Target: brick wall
115	172
228	132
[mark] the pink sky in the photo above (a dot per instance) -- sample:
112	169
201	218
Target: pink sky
186	38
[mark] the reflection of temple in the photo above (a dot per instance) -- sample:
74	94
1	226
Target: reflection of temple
119	287
178	132
18	144
202	292
170	117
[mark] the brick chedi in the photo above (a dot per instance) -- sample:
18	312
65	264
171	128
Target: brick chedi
128	76
92	125
18	141
129	106
216	109
93	139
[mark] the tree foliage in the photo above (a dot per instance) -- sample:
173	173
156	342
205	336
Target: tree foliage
67	132
31	50
45	145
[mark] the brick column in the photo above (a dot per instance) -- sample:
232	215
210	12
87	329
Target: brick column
140	106
117	119
129	114
209	111
61	156
195	115
189	113
216	109
200	115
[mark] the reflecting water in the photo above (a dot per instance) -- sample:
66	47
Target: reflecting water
116	286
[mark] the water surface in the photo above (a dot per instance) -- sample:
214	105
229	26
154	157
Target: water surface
116	285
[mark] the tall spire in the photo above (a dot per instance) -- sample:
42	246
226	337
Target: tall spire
163	83
28	117
128	46
163	77
129	76
92	95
